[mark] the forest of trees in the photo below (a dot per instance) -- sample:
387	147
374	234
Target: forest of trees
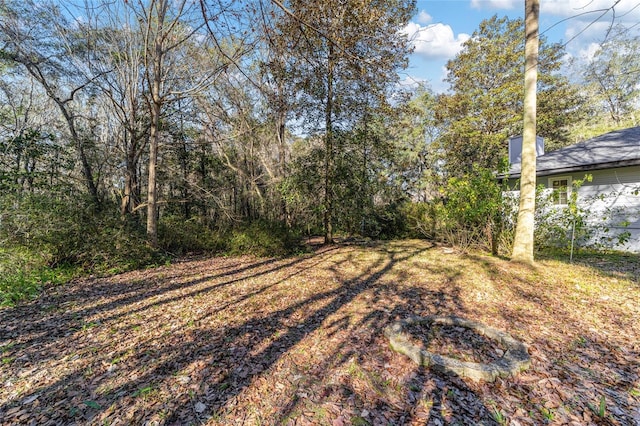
139	127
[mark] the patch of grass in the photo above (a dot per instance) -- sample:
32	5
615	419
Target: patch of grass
635	392
579	341
321	413
89	325
355	370
6	348
359	421
92	404
26	267
427	403
27	284
601	408
498	416
144	392
547	413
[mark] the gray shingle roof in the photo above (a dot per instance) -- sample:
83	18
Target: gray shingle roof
614	149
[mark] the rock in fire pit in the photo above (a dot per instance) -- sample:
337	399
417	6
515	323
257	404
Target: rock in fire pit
514	360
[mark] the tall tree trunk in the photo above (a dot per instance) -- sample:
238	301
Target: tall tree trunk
152	204
363	182
328	158
131	194
523	243
154	132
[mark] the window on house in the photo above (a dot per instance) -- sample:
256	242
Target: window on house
561	187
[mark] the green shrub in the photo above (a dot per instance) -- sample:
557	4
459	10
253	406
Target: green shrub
264	239
46	239
68	231
385	222
259	238
23	274
115	246
178	236
423	219
472	212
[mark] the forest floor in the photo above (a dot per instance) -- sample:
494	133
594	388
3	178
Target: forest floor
241	340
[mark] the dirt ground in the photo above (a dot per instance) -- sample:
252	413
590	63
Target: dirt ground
241	340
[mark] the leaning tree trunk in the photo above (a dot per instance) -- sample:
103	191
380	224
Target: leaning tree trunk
523	242
82	154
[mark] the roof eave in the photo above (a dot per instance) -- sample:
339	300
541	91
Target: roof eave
579	168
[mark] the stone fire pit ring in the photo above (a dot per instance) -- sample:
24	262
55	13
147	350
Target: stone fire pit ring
515	359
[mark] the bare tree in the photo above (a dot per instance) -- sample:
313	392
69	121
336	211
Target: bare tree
119	62
38	37
171	32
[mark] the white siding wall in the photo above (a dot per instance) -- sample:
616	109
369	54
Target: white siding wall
612	199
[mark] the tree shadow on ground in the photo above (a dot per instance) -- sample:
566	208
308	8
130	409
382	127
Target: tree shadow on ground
193	344
618	265
379	386
576	334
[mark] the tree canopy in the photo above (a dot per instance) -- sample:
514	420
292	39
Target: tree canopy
484	105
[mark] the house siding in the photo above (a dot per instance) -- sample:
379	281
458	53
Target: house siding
612	202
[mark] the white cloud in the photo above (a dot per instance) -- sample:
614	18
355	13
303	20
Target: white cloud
424	18
411	82
593	8
586	31
591	18
586	22
496	4
441	85
589	51
435	41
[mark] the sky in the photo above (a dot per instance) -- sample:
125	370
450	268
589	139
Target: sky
440	28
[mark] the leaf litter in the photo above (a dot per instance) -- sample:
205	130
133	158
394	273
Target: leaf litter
299	341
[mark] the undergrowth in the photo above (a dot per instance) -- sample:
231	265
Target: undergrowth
54	248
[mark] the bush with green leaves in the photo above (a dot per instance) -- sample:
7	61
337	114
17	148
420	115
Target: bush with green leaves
179	236
469	213
48	238
22	275
472	211
421	219
69	231
264	239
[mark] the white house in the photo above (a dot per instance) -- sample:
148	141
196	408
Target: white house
611	200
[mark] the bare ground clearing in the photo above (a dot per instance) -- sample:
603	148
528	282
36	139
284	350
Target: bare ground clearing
300	341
